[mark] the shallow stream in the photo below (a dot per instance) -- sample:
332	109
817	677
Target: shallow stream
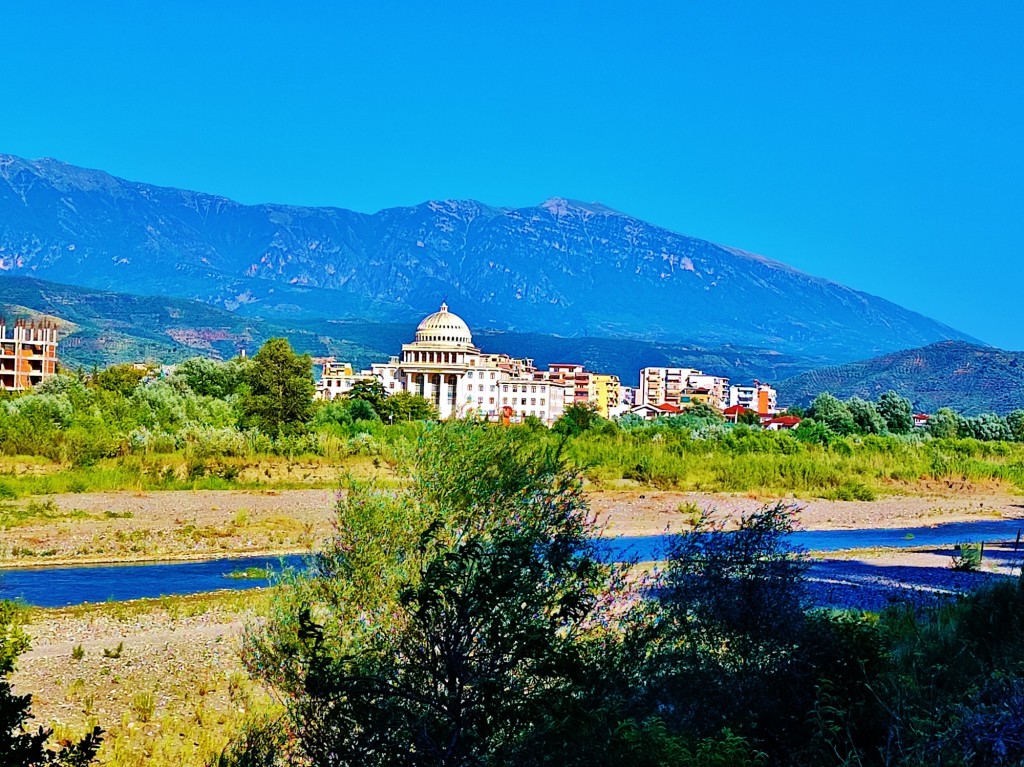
72	585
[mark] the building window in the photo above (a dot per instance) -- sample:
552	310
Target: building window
541	400
533	400
490	401
492	375
469	374
504	387
533	389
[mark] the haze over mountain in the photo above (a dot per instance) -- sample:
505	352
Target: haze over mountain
102	327
968	378
562	267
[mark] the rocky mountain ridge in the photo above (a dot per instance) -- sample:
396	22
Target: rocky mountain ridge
562	267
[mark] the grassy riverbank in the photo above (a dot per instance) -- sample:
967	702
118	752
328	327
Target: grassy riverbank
719	460
162	676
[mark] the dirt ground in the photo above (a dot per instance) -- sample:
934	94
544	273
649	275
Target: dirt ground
162	677
130	526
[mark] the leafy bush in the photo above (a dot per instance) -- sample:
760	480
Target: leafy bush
967	557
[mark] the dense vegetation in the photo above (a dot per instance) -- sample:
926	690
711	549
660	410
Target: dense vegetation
228	424
463	616
468	620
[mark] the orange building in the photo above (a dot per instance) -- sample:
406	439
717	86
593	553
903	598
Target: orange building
28	354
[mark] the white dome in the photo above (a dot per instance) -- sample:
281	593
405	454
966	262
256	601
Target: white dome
444	327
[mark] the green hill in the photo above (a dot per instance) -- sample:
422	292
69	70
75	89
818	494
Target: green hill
102	327
968	378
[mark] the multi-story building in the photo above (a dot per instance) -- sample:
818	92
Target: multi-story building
573	375
442	365
28	354
761	398
715	388
606	394
682	387
601	390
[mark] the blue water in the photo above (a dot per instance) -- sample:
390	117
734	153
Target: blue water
647	548
61	586
73	585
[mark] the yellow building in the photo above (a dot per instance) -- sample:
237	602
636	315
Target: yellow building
605	394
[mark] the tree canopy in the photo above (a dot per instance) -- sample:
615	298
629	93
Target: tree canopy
447	624
281	387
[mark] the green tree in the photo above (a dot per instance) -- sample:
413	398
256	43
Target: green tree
814	433
1015	422
749	417
211	378
989	427
451	622
946	423
578	418
281	387
731	613
703	410
370	391
20	747
829	411
897	412
361	410
866	416
122	379
406	406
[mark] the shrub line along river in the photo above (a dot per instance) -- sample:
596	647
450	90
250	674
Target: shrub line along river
77	584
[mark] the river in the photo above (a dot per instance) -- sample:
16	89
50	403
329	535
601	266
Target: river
78	584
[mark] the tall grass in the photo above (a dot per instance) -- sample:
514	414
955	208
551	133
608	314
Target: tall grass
722	460
781	464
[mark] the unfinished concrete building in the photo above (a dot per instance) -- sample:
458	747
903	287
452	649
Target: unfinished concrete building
28	354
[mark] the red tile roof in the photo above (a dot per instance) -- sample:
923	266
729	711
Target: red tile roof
737	410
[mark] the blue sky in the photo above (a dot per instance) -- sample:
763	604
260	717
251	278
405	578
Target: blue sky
876	144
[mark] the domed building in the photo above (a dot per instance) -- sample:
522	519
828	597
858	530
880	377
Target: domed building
444	367
444	327
436	364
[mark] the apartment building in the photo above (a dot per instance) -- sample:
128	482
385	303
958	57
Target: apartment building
681	387
28	354
606	394
761	398
602	390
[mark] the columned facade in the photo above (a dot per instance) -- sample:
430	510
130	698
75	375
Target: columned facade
444	367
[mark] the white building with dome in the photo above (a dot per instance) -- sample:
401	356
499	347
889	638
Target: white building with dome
444	367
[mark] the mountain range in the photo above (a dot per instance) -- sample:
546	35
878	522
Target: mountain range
562	268
102	327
